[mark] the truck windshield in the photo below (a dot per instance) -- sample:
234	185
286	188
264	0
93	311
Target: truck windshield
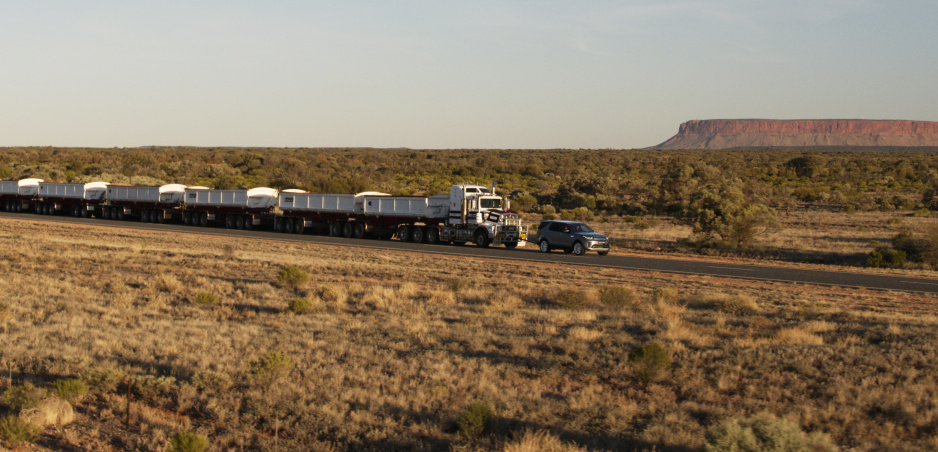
491	203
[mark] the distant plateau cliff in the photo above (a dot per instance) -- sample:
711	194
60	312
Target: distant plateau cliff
824	133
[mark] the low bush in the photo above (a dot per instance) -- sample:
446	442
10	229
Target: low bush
14	431
293	277
152	386
571	299
764	433
475	419
188	442
617	297
209	381
23	396
665	295
457	285
70	389
728	303
205	298
885	257
101	380
648	361
300	305
269	368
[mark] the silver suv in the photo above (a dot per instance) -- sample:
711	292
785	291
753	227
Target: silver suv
571	237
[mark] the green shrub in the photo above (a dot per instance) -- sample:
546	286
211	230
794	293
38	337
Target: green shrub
209	381
617	296
187	442
270	368
70	389
764	433
101	380
475	419
885	257
648	361
205	298
571	299
293	277
300	305
20	397
152	386
14	431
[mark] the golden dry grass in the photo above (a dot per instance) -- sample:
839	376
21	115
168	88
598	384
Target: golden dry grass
396	350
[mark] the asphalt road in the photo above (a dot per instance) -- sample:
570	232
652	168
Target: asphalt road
530	253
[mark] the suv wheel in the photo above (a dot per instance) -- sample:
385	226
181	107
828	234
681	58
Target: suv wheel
545	247
578	249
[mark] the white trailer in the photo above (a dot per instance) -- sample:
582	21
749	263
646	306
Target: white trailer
71	198
237	208
153	204
468	213
18	195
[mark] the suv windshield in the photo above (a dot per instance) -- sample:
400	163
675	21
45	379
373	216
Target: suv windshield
580	227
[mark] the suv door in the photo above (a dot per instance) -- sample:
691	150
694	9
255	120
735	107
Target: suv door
559	236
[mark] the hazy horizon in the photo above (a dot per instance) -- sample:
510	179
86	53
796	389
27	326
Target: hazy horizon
440	75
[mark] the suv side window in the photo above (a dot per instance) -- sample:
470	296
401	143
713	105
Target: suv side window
556	227
543	226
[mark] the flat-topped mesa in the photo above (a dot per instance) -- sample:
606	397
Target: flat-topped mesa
770	133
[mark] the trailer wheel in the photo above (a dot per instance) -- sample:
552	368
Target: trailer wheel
120	214
203	219
417	234
481	239
403	233
358	230
238	222
249	222
160	215
288	225
298	226
433	235
347	230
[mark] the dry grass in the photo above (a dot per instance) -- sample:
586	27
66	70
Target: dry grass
395	350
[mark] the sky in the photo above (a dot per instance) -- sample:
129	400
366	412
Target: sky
451	75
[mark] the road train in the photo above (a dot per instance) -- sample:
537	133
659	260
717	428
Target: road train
469	213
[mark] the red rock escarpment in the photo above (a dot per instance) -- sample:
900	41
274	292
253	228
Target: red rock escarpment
768	133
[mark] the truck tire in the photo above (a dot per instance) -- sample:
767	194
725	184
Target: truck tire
481	240
358	230
433	235
298	226
403	233
238	222
288	225
203	219
160	215
347	230
278	224
417	234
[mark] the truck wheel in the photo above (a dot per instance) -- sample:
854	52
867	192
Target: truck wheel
160	215
347	230
120	214
416	235
482	240
403	233
238	222
203	219
288	225
278	224
433	235
298	226
358	230
579	249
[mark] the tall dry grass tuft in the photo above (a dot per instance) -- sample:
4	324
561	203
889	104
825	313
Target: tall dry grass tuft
728	303
541	441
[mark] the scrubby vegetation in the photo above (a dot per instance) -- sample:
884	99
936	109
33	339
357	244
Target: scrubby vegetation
397	351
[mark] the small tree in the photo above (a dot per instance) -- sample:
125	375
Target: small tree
269	368
293	277
648	361
476	419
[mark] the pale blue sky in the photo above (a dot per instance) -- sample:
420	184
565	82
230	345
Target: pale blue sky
441	74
